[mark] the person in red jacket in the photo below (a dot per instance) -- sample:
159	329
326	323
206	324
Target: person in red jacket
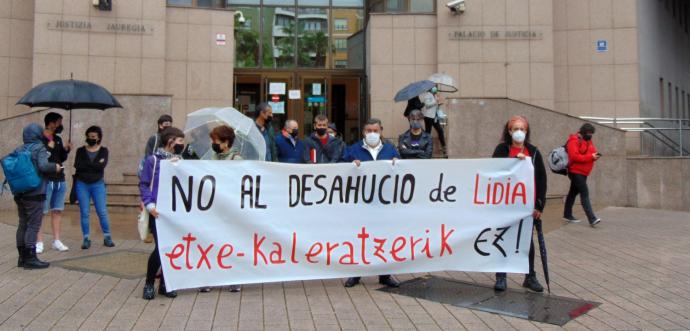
581	155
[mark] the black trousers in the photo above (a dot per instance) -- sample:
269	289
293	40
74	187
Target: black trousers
430	122
578	185
531	260
30	210
154	259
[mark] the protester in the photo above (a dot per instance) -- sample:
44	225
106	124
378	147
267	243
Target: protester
430	111
371	148
515	143
56	187
333	131
263	118
90	163
320	146
290	148
415	143
30	204
581	156
164	121
172	142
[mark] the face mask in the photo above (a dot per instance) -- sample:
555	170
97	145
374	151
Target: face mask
416	124
216	148
294	133
372	139
587	137
434	90
269	119
518	136
59	129
91	142
178	148
320	131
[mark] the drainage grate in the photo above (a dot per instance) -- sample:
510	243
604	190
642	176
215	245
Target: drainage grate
129	264
527	305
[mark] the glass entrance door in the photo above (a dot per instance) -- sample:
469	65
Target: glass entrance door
315	98
276	88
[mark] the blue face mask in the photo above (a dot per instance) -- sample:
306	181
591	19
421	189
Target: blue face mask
416	124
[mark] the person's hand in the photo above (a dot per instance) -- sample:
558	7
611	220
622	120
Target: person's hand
536	214
521	156
175	159
154	212
58	168
596	156
394	159
51	144
357	163
101	161
68	146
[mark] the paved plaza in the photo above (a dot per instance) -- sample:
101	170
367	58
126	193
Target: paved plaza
636	264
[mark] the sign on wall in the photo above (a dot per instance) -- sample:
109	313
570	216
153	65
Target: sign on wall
602	46
237	222
495	35
132	27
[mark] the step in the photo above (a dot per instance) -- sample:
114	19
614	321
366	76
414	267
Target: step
123	198
123	188
132	209
130	178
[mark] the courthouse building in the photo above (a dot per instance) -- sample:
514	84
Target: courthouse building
551	59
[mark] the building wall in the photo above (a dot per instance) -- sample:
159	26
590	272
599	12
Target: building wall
591	83
664	53
660	183
16	53
178	56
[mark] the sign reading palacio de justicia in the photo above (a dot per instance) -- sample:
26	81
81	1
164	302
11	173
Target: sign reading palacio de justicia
495	35
100	26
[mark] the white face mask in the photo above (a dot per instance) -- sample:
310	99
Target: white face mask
372	139
518	136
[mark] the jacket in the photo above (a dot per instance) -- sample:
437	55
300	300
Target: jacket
147	192
332	152
33	136
503	150
232	155
270	139
289	153
89	171
357	151
151	144
58	155
580	159
421	149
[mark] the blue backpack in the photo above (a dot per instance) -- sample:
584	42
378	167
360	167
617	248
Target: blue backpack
20	171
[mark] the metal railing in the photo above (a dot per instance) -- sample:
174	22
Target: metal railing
657	128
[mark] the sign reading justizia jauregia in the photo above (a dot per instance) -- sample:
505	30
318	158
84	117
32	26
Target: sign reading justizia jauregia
132	27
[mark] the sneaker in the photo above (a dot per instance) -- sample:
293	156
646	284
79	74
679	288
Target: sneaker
39	247
595	222
149	292
532	283
59	246
108	242
86	244
571	219
501	283
235	288
204	289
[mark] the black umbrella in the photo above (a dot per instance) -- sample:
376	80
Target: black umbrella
413	90
69	94
542	252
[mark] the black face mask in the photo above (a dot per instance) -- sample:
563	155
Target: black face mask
321	131
269	119
216	148
59	129
91	142
587	136
178	148
294	133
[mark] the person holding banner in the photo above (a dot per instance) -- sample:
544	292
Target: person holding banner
515	143
372	148
322	147
415	143
172	140
290	148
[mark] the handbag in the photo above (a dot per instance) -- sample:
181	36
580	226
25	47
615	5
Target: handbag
143	219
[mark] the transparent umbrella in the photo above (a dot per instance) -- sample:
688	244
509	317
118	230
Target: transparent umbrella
445	82
248	140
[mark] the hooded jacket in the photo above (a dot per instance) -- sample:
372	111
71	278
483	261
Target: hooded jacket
330	153
580	158
33	140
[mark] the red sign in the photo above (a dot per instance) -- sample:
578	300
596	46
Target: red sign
275	98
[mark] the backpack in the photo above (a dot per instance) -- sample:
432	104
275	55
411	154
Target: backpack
20	172
558	160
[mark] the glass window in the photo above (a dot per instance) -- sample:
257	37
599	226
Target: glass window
247	41
210	3
341	64
340	44
187	3
348	38
348	3
340	24
402	6
243	2
313	50
279	32
279	2
312	2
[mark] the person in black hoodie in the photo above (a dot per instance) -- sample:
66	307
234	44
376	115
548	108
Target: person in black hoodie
56	188
90	163
515	143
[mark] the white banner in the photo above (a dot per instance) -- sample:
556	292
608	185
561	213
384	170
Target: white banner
238	222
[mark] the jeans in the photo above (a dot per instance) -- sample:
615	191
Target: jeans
86	193
578	185
55	196
428	123
30	210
